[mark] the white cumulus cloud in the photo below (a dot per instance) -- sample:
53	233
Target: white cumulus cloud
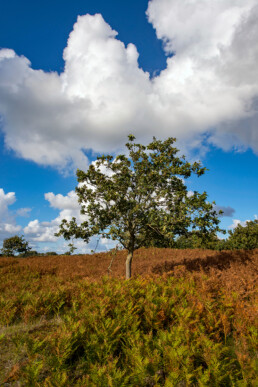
44	231
8	225
210	85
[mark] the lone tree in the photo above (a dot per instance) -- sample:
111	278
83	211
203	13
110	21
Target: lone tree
15	244
139	198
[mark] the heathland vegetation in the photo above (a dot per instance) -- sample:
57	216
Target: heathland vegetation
187	317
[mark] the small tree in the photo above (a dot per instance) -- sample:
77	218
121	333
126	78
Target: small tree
15	244
244	237
137	198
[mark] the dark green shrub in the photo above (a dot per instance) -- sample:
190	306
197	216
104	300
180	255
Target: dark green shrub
244	237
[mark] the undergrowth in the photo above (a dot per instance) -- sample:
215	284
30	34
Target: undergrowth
149	331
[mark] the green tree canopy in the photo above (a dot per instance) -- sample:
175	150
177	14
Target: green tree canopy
141	196
15	244
196	240
244	237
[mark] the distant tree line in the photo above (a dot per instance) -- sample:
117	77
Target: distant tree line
241	237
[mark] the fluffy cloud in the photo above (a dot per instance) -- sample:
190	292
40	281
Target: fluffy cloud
8	225
60	202
209	85
197	28
41	231
36	231
44	231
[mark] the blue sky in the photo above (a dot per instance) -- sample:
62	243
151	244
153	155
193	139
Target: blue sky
72	88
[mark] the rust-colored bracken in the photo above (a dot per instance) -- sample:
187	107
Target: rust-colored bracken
64	311
236	270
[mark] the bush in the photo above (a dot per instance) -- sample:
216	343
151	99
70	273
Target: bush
31	253
196	240
244	237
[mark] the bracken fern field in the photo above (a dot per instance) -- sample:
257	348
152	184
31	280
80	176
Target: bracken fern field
186	318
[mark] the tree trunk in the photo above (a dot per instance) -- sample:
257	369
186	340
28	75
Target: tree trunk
128	265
